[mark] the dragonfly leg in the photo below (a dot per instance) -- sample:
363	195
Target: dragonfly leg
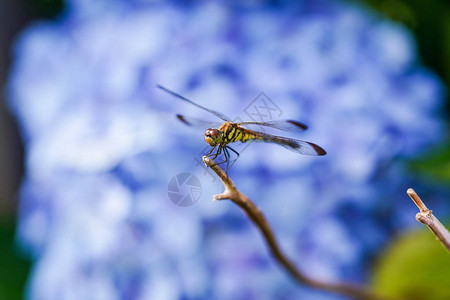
237	153
219	151
210	151
214	155
227	156
224	154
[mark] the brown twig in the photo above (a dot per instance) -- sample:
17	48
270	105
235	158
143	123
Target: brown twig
232	193
425	216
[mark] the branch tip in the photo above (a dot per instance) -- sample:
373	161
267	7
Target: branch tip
207	161
426	217
414	197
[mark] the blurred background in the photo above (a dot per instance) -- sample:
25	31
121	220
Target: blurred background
92	154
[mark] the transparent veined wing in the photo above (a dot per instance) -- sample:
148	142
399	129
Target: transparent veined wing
217	114
285	125
197	123
298	146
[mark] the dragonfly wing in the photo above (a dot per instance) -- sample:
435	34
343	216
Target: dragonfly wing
305	148
217	114
298	146
193	122
286	125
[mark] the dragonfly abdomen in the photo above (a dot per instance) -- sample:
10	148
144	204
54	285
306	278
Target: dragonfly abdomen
249	135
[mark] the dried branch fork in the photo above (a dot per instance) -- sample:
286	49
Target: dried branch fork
252	211
426	217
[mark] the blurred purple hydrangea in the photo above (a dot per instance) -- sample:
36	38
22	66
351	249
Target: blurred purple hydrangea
102	145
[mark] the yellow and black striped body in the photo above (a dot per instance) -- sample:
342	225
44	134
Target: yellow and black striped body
232	132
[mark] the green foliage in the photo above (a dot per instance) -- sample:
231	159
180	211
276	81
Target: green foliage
434	165
430	22
13	267
46	8
416	266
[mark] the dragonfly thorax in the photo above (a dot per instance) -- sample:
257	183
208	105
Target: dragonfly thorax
213	137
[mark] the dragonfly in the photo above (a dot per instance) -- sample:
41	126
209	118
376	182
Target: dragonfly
231	132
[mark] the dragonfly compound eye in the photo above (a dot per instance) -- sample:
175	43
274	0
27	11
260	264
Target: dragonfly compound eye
214	133
212	136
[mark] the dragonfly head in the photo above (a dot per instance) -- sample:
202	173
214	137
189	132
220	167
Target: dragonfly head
213	137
